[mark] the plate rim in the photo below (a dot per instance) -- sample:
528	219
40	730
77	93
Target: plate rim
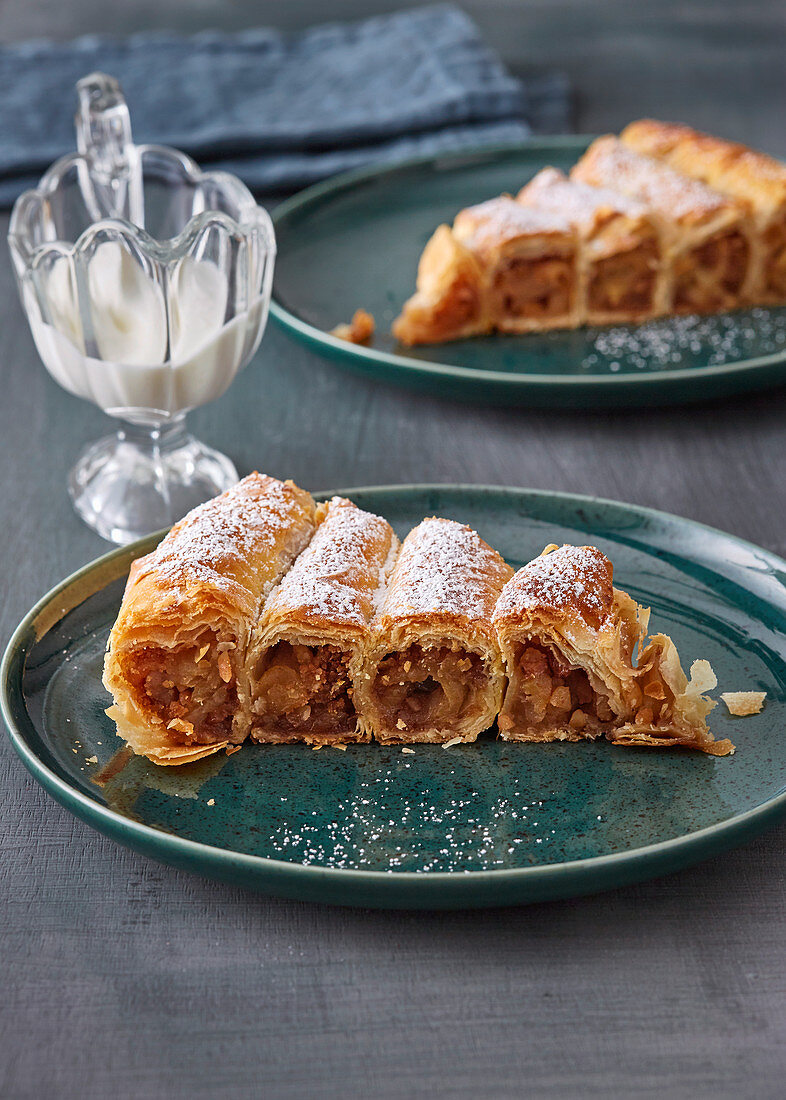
359	354
646	857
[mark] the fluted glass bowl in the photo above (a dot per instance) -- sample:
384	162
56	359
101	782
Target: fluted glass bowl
146	283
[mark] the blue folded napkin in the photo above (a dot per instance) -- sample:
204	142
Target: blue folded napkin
281	111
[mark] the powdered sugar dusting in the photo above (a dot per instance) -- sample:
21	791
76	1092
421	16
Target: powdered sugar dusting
231	528
573	578
674	342
579	203
610	163
502	220
446	567
334	575
386	574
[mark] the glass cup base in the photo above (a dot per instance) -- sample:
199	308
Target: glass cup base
143	479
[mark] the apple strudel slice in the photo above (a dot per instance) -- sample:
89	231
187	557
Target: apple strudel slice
569	639
305	655
176	658
433	671
708	236
734	170
503	266
621	274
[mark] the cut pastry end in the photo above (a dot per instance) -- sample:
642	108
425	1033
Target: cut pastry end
569	640
430	692
187	692
304	693
360	330
550	700
530	259
744	703
449	302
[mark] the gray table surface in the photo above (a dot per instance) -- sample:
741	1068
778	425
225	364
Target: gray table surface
125	978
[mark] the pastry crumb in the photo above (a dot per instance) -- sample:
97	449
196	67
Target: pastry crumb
92	760
702	678
232	749
360	329
211	801
451	742
743	703
409	751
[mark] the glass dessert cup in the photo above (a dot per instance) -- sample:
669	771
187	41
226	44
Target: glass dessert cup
146	283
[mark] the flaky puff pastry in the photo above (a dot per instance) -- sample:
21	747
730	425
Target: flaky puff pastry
433	671
569	639
450	301
709	238
176	660
306	651
621	275
502	266
733	169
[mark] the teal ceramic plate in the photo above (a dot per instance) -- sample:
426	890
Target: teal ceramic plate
474	825
355	241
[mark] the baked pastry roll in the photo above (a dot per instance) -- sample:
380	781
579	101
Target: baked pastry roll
503	266
735	170
620	270
569	640
707	236
307	647
433	670
176	657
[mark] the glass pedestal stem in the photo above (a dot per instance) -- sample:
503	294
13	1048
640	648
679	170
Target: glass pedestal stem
144	478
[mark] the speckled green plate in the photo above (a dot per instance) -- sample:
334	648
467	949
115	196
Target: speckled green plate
474	825
355	241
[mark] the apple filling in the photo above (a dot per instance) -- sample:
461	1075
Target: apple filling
532	288
547	700
431	688
775	262
303	689
710	276
458	309
625	282
190	688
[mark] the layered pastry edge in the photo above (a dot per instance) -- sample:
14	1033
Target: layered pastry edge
660	221
262	615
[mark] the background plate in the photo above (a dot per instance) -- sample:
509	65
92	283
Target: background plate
477	825
355	241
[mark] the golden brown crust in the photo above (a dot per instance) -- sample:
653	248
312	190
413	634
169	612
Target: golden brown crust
327	599
729	167
499	226
195	599
568	583
709	238
440	599
569	640
679	200
752	178
621	274
450	301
